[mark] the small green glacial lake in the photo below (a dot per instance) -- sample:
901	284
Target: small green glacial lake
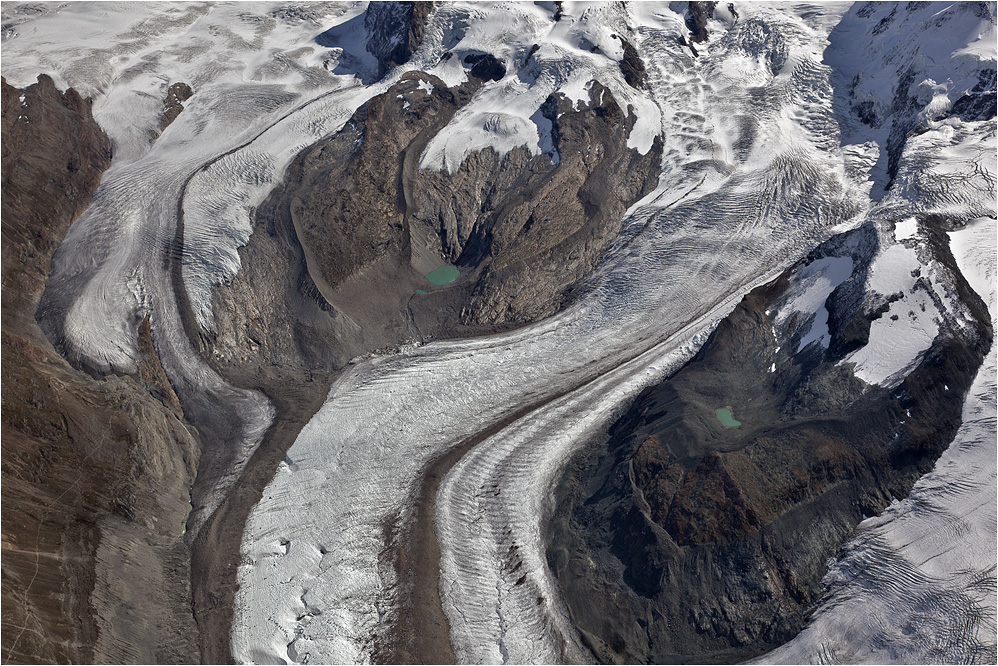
443	275
726	418
420	291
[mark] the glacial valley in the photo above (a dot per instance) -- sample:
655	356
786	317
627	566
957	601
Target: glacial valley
499	332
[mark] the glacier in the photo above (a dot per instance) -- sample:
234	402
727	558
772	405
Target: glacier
766	155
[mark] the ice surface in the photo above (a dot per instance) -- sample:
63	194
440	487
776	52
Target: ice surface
905	229
898	338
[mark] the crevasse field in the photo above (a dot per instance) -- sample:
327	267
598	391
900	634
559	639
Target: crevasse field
760	166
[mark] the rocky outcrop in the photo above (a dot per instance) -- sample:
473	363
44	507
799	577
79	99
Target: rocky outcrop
631	65
394	30
348	238
176	95
96	471
485	66
981	102
685	540
522	229
697	16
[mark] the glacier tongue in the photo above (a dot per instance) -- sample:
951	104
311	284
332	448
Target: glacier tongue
752	180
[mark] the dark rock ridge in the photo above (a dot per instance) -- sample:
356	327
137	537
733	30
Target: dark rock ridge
697	16
981	103
176	95
395	30
680	540
631	66
95	472
485	66
339	249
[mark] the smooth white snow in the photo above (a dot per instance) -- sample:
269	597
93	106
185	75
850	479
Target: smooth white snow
813	285
905	229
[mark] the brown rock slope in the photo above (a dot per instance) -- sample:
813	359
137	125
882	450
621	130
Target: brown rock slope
683	541
96	471
522	229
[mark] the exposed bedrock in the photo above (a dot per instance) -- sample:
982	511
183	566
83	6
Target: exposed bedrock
631	65
96	471
522	229
176	95
394	31
685	540
697	16
339	251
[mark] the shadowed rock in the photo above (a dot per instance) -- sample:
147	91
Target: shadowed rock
178	93
709	543
697	16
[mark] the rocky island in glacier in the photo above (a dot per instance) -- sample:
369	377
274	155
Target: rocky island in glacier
499	332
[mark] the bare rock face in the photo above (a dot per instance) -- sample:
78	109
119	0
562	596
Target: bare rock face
522	229
697	16
53	156
687	541
485	67
95	471
177	94
395	30
631	66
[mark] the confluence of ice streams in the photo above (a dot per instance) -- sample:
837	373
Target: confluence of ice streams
758	168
